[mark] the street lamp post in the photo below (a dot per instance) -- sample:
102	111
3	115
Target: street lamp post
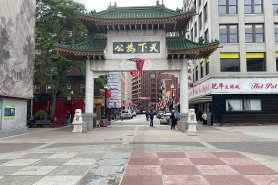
71	104
49	88
105	106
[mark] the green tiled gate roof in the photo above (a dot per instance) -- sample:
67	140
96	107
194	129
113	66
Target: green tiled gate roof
91	46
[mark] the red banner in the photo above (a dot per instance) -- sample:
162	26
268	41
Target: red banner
108	93
171	92
144	98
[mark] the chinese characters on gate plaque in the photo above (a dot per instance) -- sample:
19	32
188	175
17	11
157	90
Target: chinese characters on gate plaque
136	47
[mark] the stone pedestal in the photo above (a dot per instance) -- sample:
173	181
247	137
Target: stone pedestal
191	121
84	127
183	126
90	126
192	126
179	125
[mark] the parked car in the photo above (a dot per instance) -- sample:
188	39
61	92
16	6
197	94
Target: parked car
139	112
158	115
165	119
126	114
154	112
133	113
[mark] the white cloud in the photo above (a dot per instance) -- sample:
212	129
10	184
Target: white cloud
103	4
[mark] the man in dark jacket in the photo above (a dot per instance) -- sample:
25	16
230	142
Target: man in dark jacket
173	120
151	117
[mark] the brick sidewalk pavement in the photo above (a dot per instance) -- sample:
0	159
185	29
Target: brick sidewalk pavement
118	154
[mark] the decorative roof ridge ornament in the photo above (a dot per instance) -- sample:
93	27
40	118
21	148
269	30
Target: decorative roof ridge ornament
160	6
112	7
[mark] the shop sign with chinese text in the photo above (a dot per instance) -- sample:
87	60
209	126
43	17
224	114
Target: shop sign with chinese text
235	86
190	73
136	47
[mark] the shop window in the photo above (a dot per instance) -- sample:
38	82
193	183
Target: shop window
243	105
229	62
253	6
255	62
227	7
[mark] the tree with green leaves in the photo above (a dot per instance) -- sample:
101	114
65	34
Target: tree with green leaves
56	23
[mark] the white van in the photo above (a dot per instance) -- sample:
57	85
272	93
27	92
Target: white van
126	114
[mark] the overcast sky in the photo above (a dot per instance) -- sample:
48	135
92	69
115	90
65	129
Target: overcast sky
100	5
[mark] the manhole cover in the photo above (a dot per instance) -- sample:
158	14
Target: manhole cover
116	139
192	135
130	135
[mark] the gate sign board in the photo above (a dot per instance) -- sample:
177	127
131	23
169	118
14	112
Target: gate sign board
9	112
136	47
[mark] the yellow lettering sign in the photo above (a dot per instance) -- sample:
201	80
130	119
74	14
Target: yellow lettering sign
153	48
142	45
130	48
119	48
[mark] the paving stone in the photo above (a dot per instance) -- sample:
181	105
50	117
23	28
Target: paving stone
107	171
62	155
144	155
112	162
20	162
254	170
171	155
175	161
228	155
88	155
143	170
142	180
228	180
70	170
179	170
239	161
13	147
2	161
8	170
181	179
207	161
19	180
216	170
51	162
35	155
35	170
63	180
143	161
262	179
199	155
81	161
117	155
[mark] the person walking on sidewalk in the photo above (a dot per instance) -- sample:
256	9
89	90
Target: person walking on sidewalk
147	115
205	117
173	119
68	116
151	117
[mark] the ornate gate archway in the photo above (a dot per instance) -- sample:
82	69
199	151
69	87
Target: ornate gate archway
137	32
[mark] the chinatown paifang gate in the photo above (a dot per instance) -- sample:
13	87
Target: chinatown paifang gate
136	32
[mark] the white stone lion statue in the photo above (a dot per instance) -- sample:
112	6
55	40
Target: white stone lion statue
192	115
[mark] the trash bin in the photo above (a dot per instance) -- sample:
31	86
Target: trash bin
209	115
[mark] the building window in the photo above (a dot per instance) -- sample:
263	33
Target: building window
202	68
200	2
253	6
244	105
192	34
206	36
227	7
195	29
276	61
47	88
254	33
275	6
82	88
229	62
196	79
207	66
68	86
37	88
206	13
228	33
153	85
152	75
276	32
200	21
255	62
194	4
